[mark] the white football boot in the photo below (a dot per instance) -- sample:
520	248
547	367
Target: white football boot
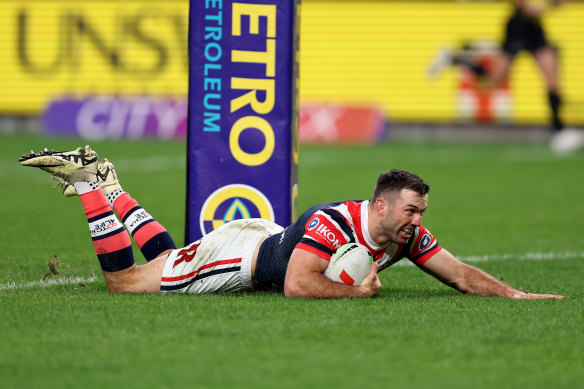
567	141
106	177
65	166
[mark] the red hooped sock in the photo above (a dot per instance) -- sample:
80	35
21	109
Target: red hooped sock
110	240
150	236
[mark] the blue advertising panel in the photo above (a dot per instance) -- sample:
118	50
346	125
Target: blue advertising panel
243	112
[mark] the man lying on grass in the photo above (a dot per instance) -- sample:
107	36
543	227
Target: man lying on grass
257	254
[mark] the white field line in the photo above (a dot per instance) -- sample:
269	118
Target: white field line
50	282
524	257
532	256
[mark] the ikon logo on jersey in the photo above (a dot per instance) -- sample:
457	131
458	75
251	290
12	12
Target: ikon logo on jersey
329	235
323	231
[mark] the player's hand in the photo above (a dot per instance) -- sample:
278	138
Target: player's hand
371	284
534	296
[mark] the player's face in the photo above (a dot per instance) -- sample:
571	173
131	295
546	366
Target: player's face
404	215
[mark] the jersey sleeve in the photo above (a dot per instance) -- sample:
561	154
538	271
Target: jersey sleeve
423	246
324	232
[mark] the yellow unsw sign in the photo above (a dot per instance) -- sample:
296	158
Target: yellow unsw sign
90	47
353	52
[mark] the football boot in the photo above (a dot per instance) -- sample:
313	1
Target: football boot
106	177
65	166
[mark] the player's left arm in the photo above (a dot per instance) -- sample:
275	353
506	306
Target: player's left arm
305	279
472	280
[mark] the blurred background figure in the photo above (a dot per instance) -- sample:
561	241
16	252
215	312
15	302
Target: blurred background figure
479	100
524	30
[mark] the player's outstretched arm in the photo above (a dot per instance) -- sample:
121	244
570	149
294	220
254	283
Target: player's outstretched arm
473	281
305	279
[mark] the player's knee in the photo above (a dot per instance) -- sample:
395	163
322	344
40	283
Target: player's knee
120	281
137	279
116	285
116	288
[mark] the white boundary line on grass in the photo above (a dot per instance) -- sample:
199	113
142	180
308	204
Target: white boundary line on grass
469	258
51	282
531	256
524	257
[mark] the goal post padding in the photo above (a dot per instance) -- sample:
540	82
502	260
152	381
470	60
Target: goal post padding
242	138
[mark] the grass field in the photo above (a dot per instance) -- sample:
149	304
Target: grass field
514	210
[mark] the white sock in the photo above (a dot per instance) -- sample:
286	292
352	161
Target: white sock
83	187
111	198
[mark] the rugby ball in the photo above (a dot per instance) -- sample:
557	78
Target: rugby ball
349	264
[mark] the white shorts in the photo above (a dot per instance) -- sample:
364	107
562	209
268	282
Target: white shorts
218	262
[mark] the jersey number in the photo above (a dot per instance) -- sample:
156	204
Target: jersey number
187	254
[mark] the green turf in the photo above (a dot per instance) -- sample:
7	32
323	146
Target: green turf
499	200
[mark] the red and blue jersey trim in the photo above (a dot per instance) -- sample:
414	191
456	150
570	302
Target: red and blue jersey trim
340	223
197	275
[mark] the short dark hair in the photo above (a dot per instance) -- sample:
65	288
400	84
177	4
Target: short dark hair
395	180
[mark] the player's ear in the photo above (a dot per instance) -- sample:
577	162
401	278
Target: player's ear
381	205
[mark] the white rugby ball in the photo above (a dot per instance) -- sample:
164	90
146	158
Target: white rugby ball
349	264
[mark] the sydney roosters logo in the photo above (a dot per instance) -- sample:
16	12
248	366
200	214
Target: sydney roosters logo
425	241
313	224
